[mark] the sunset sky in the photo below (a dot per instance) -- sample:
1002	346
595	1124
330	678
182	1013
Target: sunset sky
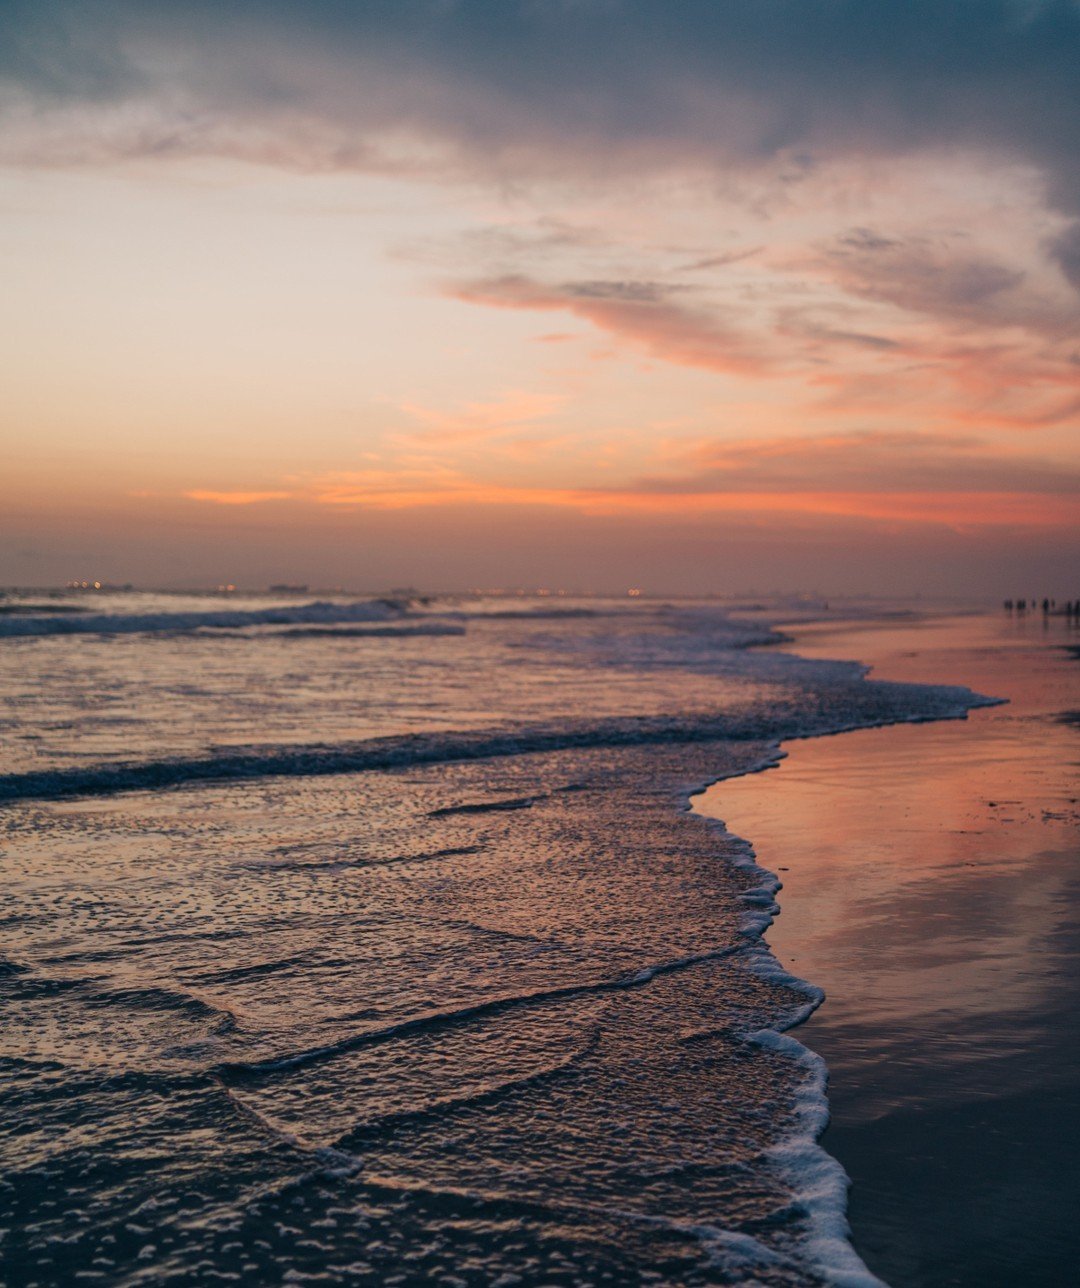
700	295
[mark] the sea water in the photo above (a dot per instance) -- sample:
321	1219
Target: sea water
374	941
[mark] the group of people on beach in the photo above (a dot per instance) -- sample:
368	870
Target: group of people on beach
1071	608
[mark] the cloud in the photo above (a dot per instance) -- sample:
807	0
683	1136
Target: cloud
1065	249
530	86
872	462
1031	415
649	315
235	498
923	278
485	420
822	329
905	478
720	261
599	92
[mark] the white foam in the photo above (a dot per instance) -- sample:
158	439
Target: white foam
819	1182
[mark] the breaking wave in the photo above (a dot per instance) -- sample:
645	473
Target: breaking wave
316	613
868	704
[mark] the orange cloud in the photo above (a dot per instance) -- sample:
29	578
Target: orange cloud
903	478
235	498
956	508
484	419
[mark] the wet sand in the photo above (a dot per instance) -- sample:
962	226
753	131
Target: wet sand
932	888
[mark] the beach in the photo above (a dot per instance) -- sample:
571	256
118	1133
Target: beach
930	888
377	941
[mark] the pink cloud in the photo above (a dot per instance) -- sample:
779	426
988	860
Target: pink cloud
647	315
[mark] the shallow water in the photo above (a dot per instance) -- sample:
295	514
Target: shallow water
932	888
398	958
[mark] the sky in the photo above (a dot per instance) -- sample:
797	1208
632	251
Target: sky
707	296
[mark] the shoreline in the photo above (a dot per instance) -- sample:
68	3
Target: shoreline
817	1177
736	802
818	1180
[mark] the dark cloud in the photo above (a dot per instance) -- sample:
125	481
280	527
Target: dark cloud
554	83
865	240
1066	250
820	328
720	261
631	292
933	278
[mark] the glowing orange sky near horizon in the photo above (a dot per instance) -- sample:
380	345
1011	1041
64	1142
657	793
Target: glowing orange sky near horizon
956	509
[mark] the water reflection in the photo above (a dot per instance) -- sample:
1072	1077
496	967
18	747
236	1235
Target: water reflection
931	877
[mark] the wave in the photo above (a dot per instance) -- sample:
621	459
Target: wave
95	993
10	610
399	751
870	703
251	1070
328	867
485	807
529	612
368	632
316	613
486	1096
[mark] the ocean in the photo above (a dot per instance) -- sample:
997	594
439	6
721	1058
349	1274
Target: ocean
376	941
